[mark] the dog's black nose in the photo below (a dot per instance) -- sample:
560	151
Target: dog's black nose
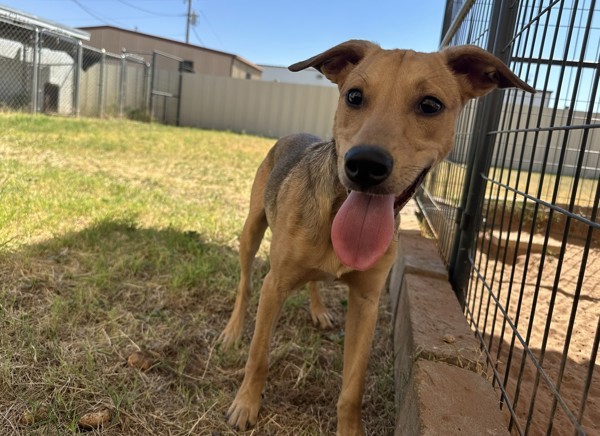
367	165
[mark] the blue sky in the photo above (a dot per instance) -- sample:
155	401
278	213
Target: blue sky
263	31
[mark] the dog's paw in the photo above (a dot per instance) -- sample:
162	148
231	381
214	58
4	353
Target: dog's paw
351	428
229	337
322	318
226	341
242	413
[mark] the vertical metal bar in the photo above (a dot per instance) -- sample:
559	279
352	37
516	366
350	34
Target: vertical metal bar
179	91
152	84
147	87
447	19
35	72
122	73
480	153
101	96
77	78
591	366
454	26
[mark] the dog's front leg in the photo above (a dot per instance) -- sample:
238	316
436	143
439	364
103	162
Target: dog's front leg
244	409
365	290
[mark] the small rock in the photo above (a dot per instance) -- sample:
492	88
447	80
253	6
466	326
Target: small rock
27	418
30	418
140	360
449	339
94	420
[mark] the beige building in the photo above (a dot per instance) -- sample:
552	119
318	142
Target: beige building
199	59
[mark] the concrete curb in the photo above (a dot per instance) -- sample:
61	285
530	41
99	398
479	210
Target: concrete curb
441	387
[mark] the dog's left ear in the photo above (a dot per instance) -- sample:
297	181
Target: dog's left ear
338	61
479	72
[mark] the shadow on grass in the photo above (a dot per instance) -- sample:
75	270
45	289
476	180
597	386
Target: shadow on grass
74	308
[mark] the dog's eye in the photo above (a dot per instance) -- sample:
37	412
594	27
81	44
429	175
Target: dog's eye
430	106
354	97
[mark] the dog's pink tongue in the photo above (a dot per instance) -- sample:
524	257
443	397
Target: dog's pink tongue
363	229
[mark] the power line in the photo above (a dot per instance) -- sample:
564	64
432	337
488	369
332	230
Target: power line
160	14
94	15
212	29
198	36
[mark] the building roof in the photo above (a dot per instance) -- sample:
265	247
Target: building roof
173	41
14	16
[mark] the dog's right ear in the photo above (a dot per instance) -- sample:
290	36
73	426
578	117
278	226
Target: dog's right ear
338	61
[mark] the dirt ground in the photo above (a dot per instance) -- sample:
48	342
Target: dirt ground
546	303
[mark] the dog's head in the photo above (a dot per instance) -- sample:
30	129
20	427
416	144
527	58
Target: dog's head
397	109
395	119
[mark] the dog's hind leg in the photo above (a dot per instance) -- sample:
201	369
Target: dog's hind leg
252	235
318	312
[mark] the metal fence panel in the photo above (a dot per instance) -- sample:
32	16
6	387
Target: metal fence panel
17	46
45	71
111	85
166	88
92	83
56	74
136	89
532	284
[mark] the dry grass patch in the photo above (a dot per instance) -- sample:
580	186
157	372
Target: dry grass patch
121	237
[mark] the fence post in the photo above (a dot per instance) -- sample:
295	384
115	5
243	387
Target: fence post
122	84
147	89
35	72
101	100
502	25
152	84
179	91
77	78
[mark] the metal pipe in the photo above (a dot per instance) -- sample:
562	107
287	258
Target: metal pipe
35	75
480	154
101	98
179	92
152	84
457	22
77	78
122	77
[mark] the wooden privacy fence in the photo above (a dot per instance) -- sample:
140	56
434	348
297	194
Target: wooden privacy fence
262	108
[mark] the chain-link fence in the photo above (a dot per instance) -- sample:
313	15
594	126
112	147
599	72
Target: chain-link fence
515	210
16	64
166	87
45	71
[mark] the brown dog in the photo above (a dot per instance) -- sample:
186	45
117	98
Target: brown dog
333	205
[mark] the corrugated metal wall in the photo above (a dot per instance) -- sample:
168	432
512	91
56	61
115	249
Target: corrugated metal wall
262	108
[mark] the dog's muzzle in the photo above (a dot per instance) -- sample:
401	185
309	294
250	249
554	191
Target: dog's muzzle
367	165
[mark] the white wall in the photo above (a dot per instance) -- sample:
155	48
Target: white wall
309	76
251	106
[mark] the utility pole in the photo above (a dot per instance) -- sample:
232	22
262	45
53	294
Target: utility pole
189	20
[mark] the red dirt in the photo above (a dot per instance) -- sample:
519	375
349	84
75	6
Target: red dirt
535	305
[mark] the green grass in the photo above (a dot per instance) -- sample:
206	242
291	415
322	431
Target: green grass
117	236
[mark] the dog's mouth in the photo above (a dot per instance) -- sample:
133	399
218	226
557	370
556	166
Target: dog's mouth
401	200
364	226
